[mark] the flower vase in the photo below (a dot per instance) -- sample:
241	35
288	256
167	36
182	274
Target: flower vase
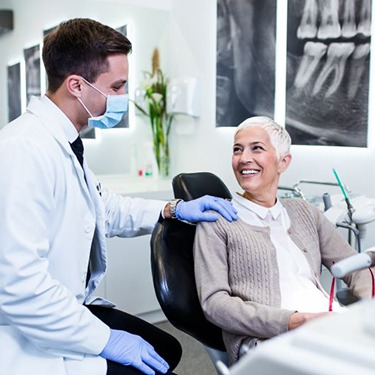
162	159
164	166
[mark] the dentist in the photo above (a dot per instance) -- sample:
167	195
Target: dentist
55	219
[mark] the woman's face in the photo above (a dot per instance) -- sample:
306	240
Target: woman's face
256	165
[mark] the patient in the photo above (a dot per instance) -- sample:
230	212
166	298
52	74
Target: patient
259	276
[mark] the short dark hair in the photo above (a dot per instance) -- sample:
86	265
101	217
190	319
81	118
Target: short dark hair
80	46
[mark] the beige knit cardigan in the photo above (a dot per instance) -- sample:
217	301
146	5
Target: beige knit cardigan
237	274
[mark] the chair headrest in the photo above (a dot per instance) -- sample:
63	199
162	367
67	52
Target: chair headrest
188	186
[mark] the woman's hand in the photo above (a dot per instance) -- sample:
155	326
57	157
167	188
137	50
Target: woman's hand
297	319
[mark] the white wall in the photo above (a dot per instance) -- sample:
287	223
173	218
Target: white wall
185	30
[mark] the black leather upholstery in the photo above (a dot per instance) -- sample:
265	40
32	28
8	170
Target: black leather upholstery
188	186
173	265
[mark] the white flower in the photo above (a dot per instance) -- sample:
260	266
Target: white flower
158	98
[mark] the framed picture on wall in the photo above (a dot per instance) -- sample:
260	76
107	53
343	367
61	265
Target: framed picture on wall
124	123
328	54
32	69
327	67
14	91
245	60
47	31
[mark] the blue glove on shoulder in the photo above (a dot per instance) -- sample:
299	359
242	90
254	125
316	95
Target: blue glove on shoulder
194	210
128	349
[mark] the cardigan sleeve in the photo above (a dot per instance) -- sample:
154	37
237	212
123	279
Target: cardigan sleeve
331	246
229	312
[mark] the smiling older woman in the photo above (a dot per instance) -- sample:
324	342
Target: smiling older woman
260	276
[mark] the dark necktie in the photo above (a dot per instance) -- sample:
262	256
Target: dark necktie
77	147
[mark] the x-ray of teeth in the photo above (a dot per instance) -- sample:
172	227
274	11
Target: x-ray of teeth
327	77
357	68
349	28
245	68
337	56
309	22
32	67
312	53
327	104
329	26
14	91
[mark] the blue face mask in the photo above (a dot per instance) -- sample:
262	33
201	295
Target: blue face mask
117	106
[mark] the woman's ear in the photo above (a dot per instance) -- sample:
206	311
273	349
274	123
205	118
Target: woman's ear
284	162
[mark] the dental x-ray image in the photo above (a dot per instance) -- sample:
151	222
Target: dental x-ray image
245	65
328	51
124	123
14	91
327	73
32	66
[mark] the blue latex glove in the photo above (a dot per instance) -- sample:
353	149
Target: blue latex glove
128	349
194	210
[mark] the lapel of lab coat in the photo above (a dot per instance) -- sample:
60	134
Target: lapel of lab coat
51	119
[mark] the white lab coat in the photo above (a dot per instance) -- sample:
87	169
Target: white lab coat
49	217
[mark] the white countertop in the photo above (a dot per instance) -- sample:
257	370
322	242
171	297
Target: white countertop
128	185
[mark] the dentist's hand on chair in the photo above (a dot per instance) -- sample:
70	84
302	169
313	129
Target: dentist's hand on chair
131	350
195	210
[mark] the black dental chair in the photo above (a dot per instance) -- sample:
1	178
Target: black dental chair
173	266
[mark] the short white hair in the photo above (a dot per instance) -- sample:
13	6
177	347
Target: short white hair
279	137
